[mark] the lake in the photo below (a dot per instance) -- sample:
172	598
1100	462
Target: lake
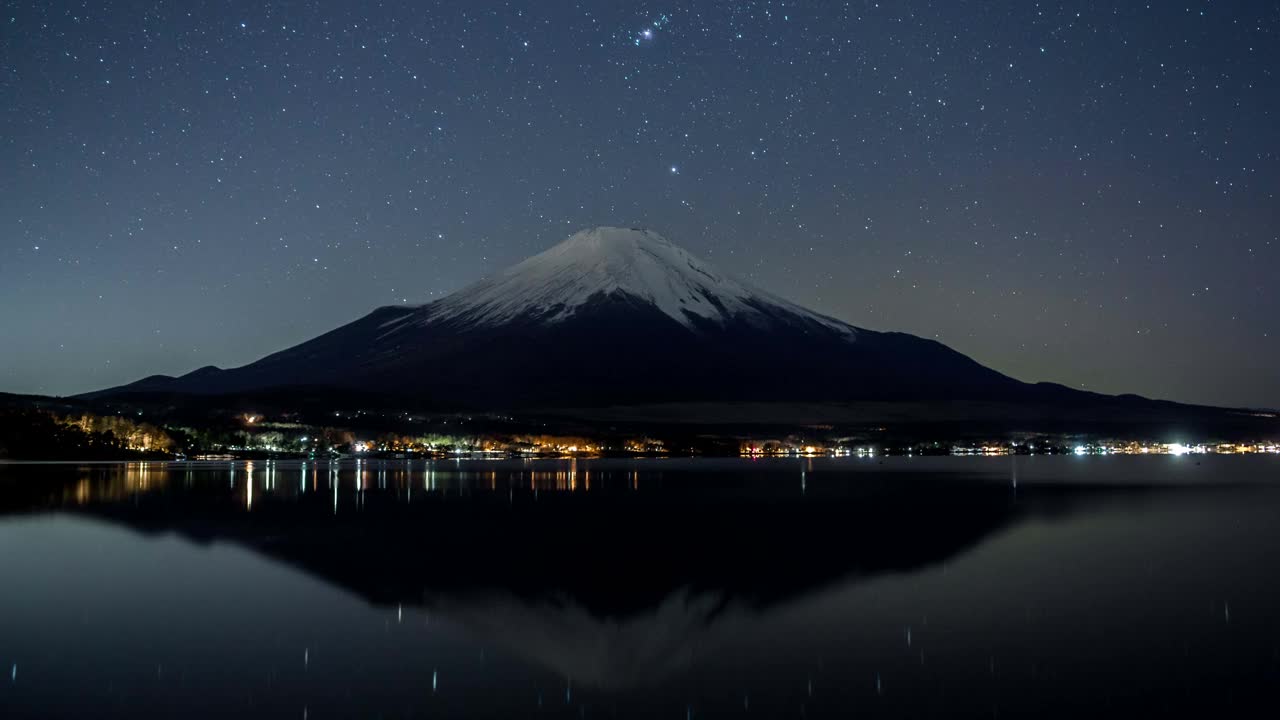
895	587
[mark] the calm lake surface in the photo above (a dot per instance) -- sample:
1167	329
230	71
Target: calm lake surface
903	587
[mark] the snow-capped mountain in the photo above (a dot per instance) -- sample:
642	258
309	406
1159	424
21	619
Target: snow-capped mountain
606	261
610	316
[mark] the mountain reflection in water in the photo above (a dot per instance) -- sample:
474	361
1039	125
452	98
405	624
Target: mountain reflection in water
660	584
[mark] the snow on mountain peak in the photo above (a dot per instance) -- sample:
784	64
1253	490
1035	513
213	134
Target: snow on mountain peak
606	261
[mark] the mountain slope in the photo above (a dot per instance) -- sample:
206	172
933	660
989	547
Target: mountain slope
613	316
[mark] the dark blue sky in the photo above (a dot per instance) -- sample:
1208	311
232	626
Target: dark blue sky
1082	192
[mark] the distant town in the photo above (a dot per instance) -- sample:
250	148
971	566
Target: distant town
47	434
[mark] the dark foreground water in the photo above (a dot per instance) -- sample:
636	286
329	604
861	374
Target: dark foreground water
972	587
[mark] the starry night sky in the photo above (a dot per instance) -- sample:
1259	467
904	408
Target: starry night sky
1082	192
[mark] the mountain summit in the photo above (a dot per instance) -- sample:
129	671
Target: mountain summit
611	316
606	262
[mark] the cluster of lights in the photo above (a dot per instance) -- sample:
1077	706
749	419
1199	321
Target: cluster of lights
770	450
493	449
1177	449
774	449
986	450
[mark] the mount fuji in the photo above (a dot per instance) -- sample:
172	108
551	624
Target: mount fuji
612	316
